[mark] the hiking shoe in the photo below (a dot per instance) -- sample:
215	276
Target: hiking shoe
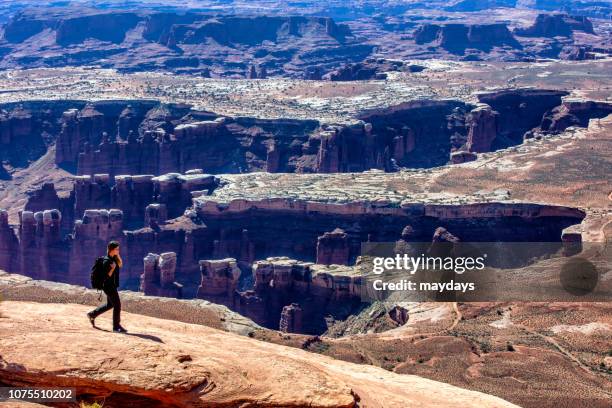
92	320
119	329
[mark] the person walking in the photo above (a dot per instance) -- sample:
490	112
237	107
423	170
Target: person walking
112	263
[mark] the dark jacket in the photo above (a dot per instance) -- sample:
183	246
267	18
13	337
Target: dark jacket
114	279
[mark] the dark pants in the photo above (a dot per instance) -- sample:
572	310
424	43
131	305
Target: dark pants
112	302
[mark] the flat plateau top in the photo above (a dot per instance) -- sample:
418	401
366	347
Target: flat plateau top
331	102
374	186
534	172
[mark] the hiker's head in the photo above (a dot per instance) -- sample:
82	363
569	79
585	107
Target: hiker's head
112	248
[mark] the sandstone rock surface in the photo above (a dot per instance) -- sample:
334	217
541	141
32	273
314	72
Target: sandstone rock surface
184	365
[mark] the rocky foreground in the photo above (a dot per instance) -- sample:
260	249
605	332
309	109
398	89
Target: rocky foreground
180	365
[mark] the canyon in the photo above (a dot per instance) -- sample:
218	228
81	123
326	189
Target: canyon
157	177
242	230
254	159
249	44
145	137
180	42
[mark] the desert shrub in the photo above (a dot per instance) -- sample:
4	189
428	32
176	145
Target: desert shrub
94	404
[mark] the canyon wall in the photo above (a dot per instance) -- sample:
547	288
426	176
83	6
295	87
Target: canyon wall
123	137
553	25
456	38
518	112
167	140
417	134
298	296
185	42
169	194
251	230
27	129
297	229
158	276
574	113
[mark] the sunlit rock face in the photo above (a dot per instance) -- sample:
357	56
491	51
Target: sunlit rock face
158	276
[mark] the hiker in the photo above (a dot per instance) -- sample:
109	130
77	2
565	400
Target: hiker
111	265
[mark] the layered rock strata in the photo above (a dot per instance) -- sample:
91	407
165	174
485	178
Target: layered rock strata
148	138
158	276
291	319
305	220
456	38
141	198
553	25
220	45
517	112
575	113
333	248
219	280
299	296
231	223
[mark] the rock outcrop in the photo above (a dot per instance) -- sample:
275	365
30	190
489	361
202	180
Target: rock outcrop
573	113
42	248
9	244
371	68
22	288
406	131
462	156
317	291
158	276
84	128
187	42
141	198
183	365
333	248
291	319
518	112
88	241
27	129
482	125
219	280
146	138
577	53
285	225
399	315
118	137
456	38
230	145
553	25
155	214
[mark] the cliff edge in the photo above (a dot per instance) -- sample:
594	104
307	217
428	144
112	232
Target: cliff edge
179	365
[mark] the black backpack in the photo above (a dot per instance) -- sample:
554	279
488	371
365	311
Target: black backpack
98	274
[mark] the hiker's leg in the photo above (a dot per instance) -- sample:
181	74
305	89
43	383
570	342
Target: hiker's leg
114	297
103	308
